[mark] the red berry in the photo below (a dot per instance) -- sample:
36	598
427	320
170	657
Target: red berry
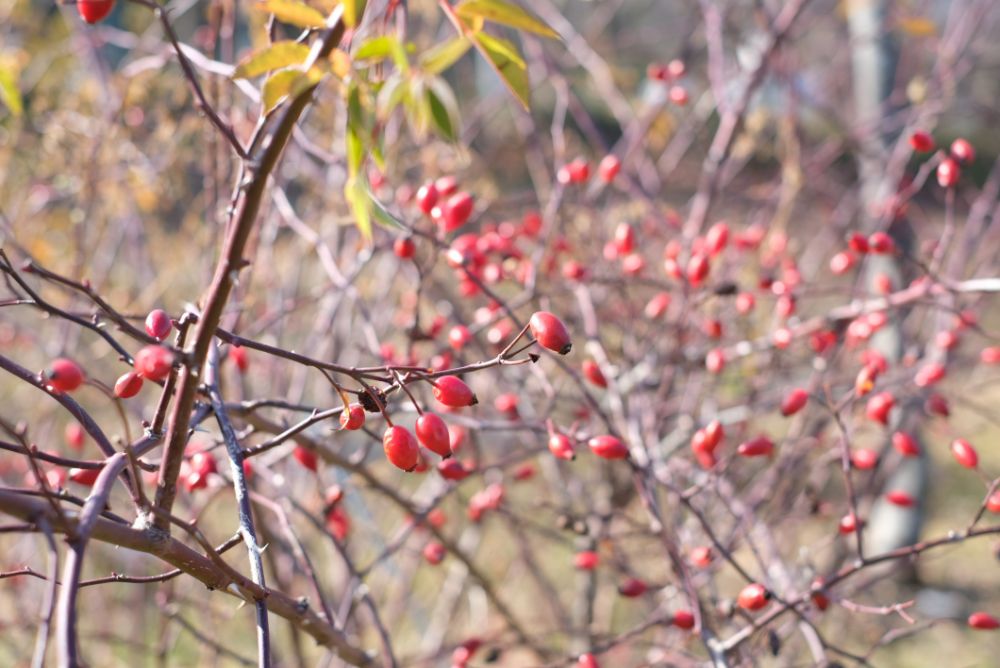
921	142
158	324
624	238
714	433
400	448
84	476
882	284
658	72
716	238
456	211
879	406
678	95
857	242
561	446
93	11
842	262
203	463
154	362
459	336
593	373
683	619
745	302
427	197
905	444
794	401
306	457
353	417
64	375
609	168
946	339
608	447
452	469
848	524
964	453
983	621
898	497
937	405
962	151
587	661
993	502
432	432
948	172
434	553
525	471
632	588
586	561
75	435
332	496
657	306
753	597
338	523
576	171
697	269
550	332
446	185
404	247
864	459
929	374
701	556
128	385
818	596
881	243
507	404
453	392
239	357
715	360
574	271
756	447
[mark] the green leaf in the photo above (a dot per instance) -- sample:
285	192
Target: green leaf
505	13
274	57
355	133
393	92
356	193
443	108
287	83
382	215
9	93
505	60
294	13
353	10
441	57
503	48
379	48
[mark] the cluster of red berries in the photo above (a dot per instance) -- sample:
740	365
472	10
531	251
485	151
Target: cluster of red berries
670	74
949	170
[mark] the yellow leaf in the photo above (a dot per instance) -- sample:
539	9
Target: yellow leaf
340	63
273	57
294	13
918	26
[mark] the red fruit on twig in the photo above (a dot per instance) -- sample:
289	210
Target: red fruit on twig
128	385
432	432
550	332
154	362
753	597
93	11
64	375
453	392
608	447
400	448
